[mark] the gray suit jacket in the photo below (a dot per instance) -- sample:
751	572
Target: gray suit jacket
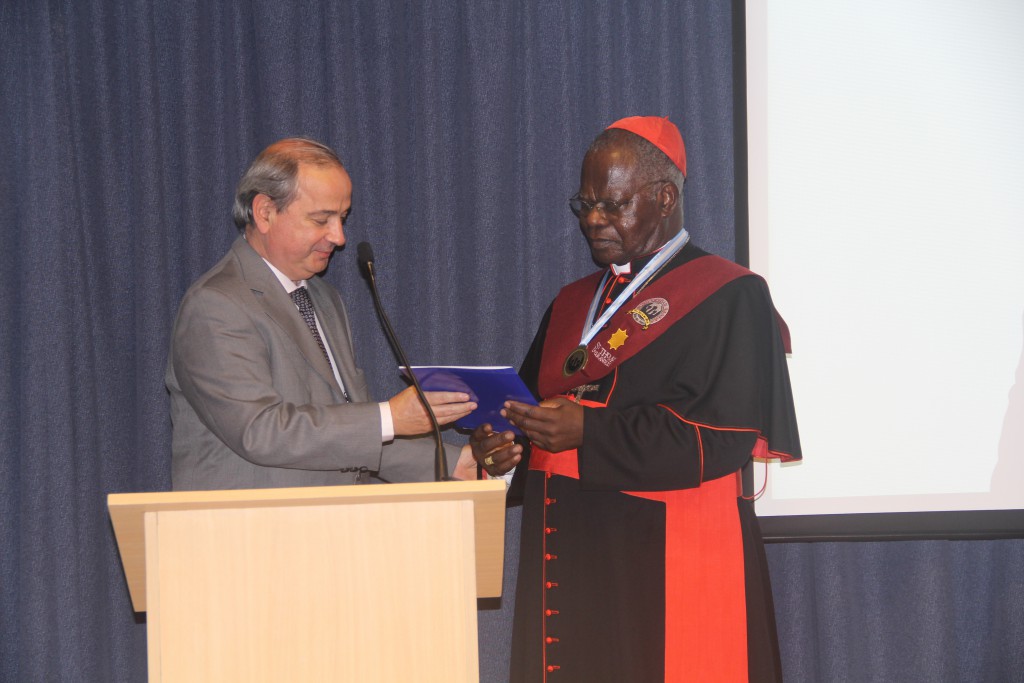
254	403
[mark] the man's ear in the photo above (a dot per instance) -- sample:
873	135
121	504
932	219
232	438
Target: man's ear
668	197
263	210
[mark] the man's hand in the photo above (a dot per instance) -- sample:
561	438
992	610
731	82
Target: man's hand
496	452
554	425
465	468
410	418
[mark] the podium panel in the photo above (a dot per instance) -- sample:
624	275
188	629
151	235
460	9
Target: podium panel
339	602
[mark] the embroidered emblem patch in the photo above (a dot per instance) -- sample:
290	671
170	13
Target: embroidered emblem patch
617	339
650	312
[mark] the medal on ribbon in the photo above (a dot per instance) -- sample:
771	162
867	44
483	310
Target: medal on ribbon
576	361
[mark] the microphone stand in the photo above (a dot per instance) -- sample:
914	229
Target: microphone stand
365	255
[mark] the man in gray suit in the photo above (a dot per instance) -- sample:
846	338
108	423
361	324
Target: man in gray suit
265	390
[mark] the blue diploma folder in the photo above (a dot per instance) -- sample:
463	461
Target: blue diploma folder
488	387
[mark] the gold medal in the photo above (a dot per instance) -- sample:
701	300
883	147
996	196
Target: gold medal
576	361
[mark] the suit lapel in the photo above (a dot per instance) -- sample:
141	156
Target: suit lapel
279	307
334	322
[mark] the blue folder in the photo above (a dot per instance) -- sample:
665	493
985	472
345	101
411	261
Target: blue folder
488	387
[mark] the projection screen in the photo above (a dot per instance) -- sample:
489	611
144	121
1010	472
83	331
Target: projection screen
884	173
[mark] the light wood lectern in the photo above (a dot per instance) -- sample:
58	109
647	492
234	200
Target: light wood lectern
340	583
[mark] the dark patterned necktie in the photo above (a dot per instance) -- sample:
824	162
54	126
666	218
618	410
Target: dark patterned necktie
301	298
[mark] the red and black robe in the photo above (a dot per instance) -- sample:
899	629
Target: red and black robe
640	560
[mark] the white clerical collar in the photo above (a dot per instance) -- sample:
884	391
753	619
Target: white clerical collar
625	269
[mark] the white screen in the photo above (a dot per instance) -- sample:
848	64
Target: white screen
886	193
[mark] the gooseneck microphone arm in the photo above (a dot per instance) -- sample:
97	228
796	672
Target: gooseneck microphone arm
364	253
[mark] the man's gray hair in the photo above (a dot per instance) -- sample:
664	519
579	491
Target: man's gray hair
652	163
275	173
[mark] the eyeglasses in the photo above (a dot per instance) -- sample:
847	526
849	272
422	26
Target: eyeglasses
607	207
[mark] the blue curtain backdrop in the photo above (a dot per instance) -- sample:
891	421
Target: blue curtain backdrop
124	126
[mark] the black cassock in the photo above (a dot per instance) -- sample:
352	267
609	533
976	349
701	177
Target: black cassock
640	560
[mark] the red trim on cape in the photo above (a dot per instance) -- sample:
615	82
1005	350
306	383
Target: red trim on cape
761	450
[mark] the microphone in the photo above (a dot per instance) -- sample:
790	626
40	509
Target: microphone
364	254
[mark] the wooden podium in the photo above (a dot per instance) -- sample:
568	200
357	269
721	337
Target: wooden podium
341	583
